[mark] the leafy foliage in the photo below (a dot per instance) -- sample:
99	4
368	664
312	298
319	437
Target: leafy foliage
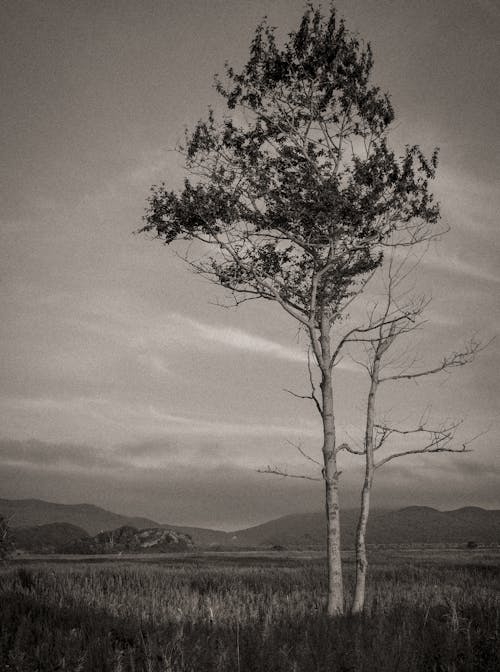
296	190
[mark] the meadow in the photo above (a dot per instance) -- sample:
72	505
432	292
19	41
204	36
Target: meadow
432	611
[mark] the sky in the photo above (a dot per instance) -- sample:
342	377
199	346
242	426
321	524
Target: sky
124	384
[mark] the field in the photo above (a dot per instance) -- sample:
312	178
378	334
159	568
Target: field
428	611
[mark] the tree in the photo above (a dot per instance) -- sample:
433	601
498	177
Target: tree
398	315
295	195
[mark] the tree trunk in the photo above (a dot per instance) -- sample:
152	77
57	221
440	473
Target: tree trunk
335	603
361	557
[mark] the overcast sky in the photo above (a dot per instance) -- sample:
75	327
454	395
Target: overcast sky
123	384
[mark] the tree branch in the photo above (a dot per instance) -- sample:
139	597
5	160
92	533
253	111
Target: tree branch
439	442
353	451
456	359
417	451
278	472
304	454
305	396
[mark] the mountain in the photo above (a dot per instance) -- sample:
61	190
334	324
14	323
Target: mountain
414	524
411	525
93	519
302	529
44	538
421	524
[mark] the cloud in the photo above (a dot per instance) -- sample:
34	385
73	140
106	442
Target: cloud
114	316
229	337
443	481
452	263
157	335
54	456
139	420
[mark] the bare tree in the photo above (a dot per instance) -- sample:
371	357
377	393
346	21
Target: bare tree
295	197
399	315
396	320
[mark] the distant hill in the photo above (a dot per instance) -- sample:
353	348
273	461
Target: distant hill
93	519
301	529
427	525
414	524
44	538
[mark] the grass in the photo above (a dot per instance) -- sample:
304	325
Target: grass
240	613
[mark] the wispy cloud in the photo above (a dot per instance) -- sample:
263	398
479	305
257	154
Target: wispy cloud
122	420
115	317
229	337
59	456
160	334
452	263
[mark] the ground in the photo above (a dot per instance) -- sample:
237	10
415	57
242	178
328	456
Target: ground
427	609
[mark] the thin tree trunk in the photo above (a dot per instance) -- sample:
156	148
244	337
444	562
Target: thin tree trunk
335	603
361	557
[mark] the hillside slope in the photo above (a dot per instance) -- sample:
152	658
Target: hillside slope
93	519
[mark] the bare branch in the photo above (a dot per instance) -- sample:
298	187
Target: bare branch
455	359
311	381
439	441
278	472
311	396
298	396
416	235
353	451
427	449
446	430
303	453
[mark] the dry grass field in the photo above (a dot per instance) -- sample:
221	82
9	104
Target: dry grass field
429	610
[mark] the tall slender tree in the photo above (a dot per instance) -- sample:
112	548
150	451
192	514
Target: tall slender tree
397	316
295	194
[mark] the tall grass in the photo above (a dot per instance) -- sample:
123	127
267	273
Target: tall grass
245	615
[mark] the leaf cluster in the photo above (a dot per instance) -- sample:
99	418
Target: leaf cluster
296	191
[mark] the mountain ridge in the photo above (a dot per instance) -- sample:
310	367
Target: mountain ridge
93	519
411	524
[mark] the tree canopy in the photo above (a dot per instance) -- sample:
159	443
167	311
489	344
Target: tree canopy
296	188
